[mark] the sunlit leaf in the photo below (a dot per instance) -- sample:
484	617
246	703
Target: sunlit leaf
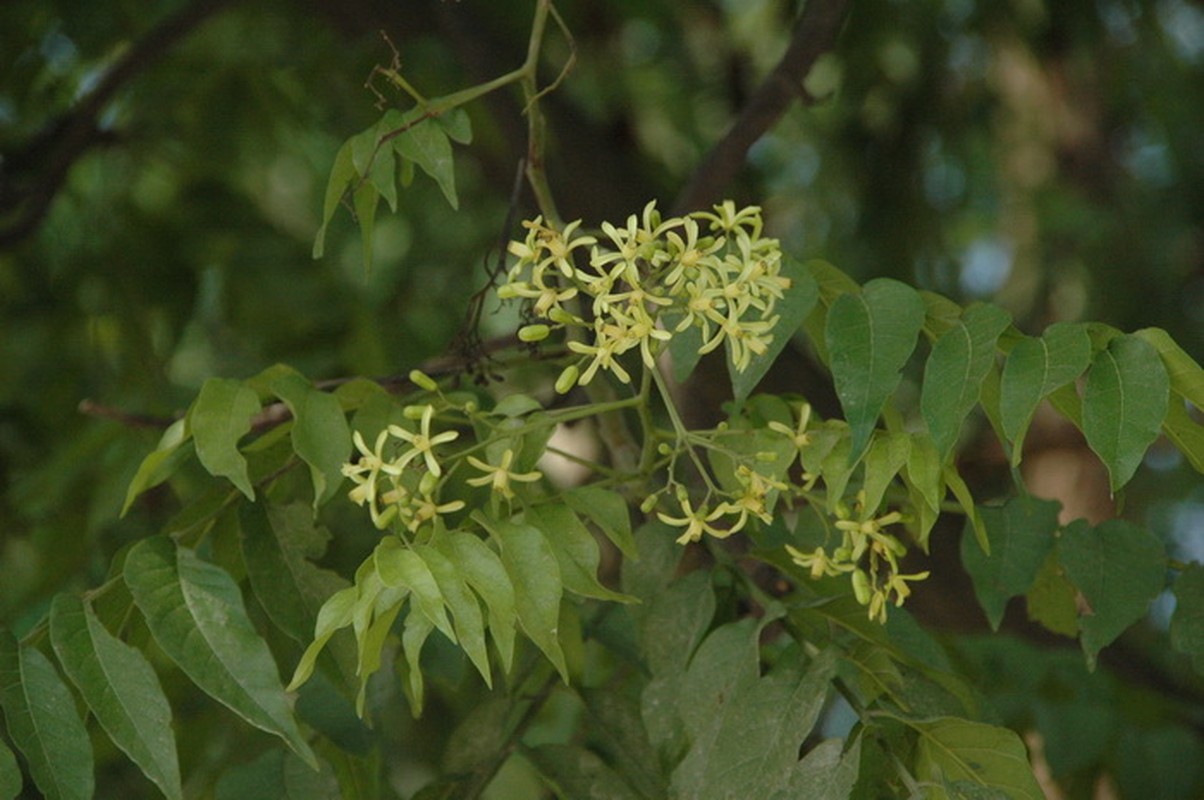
1185	373
608	510
870	335
196	613
796	303
1185	432
1021	533
1119	568
320	434
336	613
484	571
955	371
1124	404
1036	367
400	567
43	724
160	463
220	417
120	688
951	749
280	775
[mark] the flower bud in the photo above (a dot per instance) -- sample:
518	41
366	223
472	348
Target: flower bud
507	291
664	448
533	333
413	412
567	379
648	504
562	317
428	483
423	381
861	586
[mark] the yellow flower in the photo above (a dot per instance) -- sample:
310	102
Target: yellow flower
498	477
696	521
422	443
366	470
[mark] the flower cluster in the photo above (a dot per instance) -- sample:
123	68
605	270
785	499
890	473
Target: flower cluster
868	555
636	286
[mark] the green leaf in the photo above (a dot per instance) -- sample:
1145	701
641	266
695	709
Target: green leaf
534	572
220	417
794	307
342	174
320	434
1052	600
1124	404
1185	432
120	687
400	567
160	463
484	571
42	722
825	773
336	613
1021	533
464	606
413	637
952	749
456	124
427	145
619	734
365	201
1036	367
957	485
608	510
956	369
196	614
10	774
1187	623
870	335
888	453
755	751
675	621
926	485
280	775
1119	569
574	771
576	551
1186	374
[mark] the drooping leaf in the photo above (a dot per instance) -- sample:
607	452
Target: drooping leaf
280	775
608	510
796	303
414	634
464	606
1119	568
1036	367
10	774
574	771
484	571
342	174
925	484
320	434
1124	404
576	551
1187	623
954	750
365	200
220	417
961	491
426	144
534	572
336	613
196	614
1185	373
955	371
1021	533
160	463
1185	432
870	335
887	454
120	687
401	567
43	724
825	773
456	124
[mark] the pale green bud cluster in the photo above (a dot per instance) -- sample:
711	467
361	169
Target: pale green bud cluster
647	281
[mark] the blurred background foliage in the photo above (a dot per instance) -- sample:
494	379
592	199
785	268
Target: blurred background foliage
163	166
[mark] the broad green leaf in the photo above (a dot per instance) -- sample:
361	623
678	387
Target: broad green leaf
120	687
10	774
534	572
43	724
573	771
827	772
464	606
365	200
1185	432
336	613
887	454
1052	600
952	749
675	621
659	557
925	483
456	124
220	417
576	550
342	174
1119	569
484	572
1124	404
617	731
957	485
956	368
1185	373
1187	623
196	614
1021	533
400	567
1036	367
280	775
320	434
794	307
160	463
427	145
608	510
870	335
755	751
414	634
940	314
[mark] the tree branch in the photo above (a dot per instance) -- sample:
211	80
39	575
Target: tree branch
814	34
30	179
